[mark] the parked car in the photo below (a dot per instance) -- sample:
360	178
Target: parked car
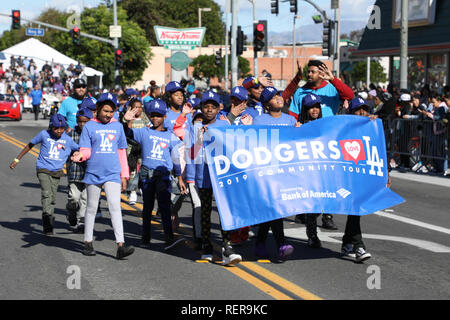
10	107
50	105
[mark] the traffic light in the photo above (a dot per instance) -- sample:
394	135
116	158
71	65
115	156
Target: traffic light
75	33
274	6
294	8
16	19
327	43
240	41
218	61
260	36
118	58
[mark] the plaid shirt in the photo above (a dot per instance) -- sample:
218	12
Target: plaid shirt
75	171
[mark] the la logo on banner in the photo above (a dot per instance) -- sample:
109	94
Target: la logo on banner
353	150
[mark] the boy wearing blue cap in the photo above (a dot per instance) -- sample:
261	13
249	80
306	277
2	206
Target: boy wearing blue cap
158	147
197	172
77	195
56	147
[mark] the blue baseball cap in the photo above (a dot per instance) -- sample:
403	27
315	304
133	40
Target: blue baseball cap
211	96
108	97
356	104
58	121
240	93
157	106
267	94
250	79
195	102
131	92
89	103
85	112
310	100
174	86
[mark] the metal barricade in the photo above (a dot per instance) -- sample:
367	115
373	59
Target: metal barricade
416	143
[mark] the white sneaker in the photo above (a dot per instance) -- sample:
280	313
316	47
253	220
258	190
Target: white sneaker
362	255
347	251
416	166
133	198
229	257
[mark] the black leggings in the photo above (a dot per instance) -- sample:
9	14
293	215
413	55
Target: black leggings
206	208
277	230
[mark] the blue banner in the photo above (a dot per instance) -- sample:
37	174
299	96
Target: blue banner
333	165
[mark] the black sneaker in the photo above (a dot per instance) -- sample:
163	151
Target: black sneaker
72	218
300	218
124	251
314	242
229	257
79	228
89	249
47	223
328	223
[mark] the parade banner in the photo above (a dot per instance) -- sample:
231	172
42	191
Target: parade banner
332	165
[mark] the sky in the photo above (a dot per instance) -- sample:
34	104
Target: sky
355	10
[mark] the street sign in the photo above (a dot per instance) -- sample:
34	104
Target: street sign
115	31
34	32
179	61
179	39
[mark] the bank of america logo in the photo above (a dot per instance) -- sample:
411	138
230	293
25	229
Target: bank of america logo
343	193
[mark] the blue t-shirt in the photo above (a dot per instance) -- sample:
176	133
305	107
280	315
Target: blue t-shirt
54	152
328	94
104	141
267	119
157	148
172	116
36	97
69	109
148	99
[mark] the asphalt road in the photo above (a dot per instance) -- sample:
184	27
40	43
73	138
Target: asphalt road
410	247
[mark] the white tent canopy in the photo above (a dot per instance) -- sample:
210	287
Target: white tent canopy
41	53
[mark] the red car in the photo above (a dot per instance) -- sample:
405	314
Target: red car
10	107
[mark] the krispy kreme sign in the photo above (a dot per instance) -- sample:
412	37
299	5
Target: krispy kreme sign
170	36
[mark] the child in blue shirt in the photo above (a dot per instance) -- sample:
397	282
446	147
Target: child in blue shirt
103	145
56	147
158	146
273	101
197	172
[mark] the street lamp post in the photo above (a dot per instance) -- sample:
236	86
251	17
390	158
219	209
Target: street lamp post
200	21
293	47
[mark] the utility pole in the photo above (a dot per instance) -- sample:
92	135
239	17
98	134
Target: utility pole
404	46
368	73
337	51
294	41
116	42
234	59
255	56
227	27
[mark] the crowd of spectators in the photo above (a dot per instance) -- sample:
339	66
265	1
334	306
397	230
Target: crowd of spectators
23	75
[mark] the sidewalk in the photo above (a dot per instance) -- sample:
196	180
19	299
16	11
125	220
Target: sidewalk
423	178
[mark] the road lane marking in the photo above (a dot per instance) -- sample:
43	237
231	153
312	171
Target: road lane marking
413	222
302	293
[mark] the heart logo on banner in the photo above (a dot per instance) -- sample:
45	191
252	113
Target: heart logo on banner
353	149
111	137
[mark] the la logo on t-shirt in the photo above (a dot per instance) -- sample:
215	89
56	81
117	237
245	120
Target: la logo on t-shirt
106	145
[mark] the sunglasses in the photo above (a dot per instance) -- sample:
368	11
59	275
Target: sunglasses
84	87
